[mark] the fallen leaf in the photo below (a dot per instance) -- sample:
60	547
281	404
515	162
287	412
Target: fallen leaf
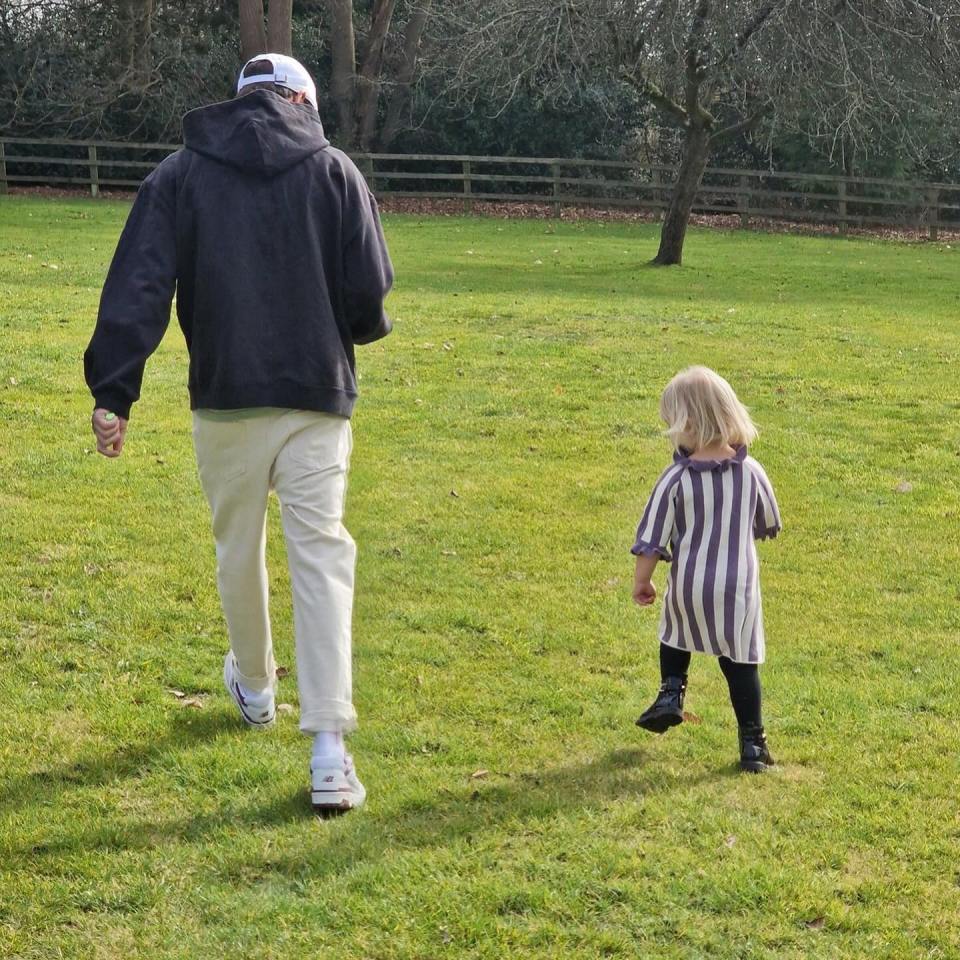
447	345
730	841
453	493
13	381
179	694
904	486
282	672
479	774
815	924
195	702
284	708
448	553
691	718
445	935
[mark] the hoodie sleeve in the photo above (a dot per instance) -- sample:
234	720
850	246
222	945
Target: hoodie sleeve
367	271
135	302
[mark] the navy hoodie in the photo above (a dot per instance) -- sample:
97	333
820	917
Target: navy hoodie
274	246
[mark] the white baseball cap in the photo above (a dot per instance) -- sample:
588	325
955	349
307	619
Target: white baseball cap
287	72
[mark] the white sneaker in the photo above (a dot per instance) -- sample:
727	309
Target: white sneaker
335	787
258	710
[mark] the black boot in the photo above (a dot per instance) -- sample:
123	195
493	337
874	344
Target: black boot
667	710
754	753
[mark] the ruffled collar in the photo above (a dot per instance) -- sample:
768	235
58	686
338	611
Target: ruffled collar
682	455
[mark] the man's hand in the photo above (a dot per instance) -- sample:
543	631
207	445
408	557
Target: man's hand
110	431
644	592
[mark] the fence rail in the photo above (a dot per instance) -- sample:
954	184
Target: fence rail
556	181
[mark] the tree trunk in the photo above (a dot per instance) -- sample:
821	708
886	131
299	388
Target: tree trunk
135	22
369	76
280	26
142	62
253	38
696	152
343	58
406	73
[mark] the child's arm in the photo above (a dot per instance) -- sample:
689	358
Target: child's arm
654	533
644	591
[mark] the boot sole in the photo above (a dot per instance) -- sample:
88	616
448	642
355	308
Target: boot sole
661	723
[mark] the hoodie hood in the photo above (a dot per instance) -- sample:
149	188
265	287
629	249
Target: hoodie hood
260	133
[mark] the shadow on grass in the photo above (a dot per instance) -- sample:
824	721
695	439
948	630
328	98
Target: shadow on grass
449	815
130	760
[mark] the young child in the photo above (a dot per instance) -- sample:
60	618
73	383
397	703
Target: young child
702	517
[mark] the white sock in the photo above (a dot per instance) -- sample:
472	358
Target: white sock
328	745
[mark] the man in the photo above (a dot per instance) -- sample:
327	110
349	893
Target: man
274	245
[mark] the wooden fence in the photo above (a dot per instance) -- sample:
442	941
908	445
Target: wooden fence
747	194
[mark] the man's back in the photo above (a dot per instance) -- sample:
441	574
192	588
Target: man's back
275	246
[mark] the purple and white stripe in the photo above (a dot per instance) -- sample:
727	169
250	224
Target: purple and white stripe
703	516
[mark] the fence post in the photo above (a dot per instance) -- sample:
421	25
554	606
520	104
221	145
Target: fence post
933	212
467	188
367	169
743	202
3	169
842	205
94	171
555	168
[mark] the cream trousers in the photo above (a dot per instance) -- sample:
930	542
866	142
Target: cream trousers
303	456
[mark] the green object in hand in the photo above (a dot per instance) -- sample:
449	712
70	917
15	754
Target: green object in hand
110	416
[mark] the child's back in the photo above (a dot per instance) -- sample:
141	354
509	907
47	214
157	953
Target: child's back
704	515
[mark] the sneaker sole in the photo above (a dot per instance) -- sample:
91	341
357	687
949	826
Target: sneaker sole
329	804
661	723
336	797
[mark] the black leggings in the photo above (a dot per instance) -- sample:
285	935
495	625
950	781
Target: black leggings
743	680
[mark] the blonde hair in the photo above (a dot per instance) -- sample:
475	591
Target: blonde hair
700	408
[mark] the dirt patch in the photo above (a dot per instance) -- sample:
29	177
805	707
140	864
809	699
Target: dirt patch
717	221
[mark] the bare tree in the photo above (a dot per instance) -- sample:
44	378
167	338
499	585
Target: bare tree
379	63
716	69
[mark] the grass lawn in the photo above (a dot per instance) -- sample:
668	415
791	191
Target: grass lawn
506	442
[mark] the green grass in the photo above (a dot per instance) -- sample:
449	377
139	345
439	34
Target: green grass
494	628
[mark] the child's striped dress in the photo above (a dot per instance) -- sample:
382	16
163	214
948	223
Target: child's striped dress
703	516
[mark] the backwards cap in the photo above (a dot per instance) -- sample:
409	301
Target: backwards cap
287	72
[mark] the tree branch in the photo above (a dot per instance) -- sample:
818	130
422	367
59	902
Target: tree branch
695	73
648	89
742	126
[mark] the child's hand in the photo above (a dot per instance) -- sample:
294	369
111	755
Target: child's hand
644	592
